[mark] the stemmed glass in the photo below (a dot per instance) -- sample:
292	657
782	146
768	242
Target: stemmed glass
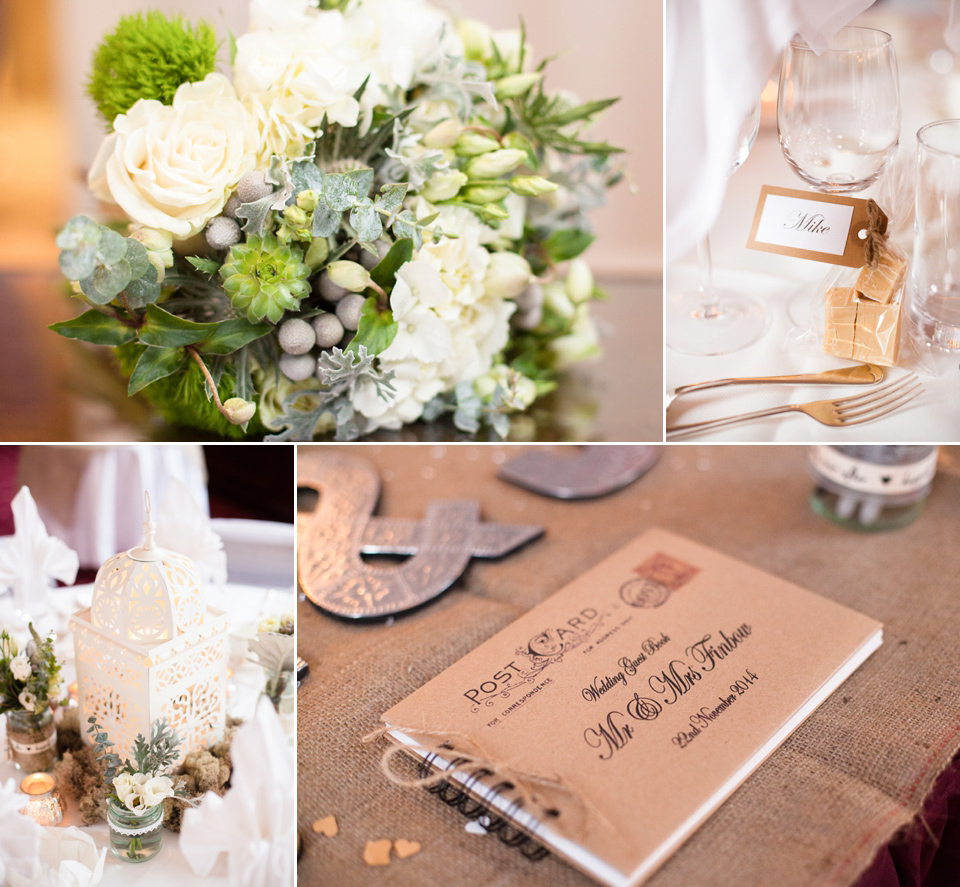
711	320
838	113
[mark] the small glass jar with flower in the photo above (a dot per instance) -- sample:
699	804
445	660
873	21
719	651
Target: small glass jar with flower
138	788
273	648
29	686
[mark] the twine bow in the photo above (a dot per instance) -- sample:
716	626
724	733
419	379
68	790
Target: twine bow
543	796
876	235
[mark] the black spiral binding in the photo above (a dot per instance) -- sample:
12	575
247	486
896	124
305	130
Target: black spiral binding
466	799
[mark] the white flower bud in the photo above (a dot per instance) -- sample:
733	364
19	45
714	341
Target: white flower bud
555	296
581	343
153	239
297	367
516	84
443	186
473	143
239	410
351	276
222	232
443	135
296	336
579	282
476	38
348	310
481	194
495	163
253	185
508	275
531	186
328	330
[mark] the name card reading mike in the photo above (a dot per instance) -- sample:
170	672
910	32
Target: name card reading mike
822	227
633	701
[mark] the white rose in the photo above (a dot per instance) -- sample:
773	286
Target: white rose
444	185
124	787
155	789
172	167
20	667
28	700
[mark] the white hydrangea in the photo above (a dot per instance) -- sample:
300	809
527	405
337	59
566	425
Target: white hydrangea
452	325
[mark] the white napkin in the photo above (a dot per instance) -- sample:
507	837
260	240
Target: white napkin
255	822
718	59
19	836
183	526
67	858
32	558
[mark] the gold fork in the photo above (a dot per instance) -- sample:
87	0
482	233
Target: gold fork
843	411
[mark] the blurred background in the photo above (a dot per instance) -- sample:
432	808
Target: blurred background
49	134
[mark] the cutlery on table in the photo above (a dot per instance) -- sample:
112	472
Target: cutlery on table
853	410
862	374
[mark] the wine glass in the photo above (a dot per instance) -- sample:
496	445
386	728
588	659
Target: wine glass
711	320
838	113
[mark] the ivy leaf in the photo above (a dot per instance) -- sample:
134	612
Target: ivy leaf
230	335
154	363
405	227
384	273
325	220
366	221
166	330
376	330
207	266
567	243
343	190
92	326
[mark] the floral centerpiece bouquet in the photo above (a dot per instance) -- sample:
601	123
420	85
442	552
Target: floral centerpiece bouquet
29	685
369	224
138	788
274	649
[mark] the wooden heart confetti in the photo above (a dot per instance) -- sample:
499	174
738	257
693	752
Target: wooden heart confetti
377	852
326	826
406	848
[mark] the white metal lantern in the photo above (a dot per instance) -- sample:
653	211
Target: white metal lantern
148	648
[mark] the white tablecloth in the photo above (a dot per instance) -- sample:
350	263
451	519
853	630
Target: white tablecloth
934	417
244	604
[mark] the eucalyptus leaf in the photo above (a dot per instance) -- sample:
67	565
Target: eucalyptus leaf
106	282
366	221
136	256
79	231
96	327
305	176
230	335
405	227
166	330
390	200
154	363
325	220
145	290
112	247
78	262
343	190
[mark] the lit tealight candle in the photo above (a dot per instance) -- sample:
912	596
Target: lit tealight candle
45	804
73	691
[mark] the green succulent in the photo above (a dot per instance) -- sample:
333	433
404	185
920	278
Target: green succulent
148	57
265	277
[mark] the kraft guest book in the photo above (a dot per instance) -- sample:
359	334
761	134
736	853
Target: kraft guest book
610	721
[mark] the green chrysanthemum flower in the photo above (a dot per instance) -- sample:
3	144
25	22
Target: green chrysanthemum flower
148	57
265	277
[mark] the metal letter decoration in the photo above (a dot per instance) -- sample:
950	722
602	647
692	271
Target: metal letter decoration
592	472
334	576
